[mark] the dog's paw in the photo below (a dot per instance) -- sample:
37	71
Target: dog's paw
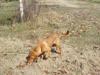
45	58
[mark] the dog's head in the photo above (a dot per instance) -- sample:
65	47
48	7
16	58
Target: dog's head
29	60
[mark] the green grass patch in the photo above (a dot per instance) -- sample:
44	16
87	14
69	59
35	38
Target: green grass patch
96	1
7	11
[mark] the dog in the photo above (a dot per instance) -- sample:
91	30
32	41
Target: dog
44	46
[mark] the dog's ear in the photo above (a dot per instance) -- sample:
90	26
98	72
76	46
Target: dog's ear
65	33
27	57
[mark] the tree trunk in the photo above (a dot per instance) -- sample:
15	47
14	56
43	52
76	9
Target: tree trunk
21	10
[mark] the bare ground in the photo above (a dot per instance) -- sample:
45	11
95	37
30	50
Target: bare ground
81	50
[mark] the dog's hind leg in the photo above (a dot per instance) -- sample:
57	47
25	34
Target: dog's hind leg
57	45
47	53
58	49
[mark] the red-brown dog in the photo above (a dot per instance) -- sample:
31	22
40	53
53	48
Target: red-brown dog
43	47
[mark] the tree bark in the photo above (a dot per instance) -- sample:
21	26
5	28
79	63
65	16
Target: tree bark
21	10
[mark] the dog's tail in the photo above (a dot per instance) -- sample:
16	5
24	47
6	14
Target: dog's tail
65	33
62	34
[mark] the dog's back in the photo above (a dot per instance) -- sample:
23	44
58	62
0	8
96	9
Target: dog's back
53	36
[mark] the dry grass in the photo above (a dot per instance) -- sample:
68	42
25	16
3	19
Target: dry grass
80	50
